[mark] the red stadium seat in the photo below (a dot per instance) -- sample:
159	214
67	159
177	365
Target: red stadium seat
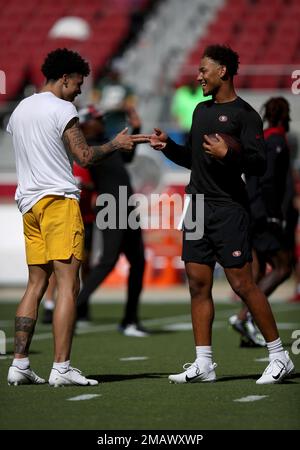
264	82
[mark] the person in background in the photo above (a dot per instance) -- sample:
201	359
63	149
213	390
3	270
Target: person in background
107	178
114	98
273	217
87	205
184	101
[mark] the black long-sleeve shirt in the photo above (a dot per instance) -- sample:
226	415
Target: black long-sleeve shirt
110	173
220	180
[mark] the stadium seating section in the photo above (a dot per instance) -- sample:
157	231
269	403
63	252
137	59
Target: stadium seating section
265	33
24	28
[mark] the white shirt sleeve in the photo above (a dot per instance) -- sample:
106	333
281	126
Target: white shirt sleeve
64	116
9	127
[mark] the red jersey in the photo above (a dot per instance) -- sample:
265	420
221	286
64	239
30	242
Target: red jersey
85	183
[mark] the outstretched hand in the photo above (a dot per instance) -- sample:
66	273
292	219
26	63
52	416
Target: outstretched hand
158	139
126	142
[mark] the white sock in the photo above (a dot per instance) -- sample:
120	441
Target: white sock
276	350
204	352
21	363
49	304
62	366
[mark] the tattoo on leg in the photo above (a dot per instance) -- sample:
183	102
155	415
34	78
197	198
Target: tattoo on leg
24	329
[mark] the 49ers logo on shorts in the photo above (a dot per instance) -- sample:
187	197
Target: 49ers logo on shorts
223	118
236	253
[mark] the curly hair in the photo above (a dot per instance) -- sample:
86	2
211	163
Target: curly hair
277	112
223	55
63	61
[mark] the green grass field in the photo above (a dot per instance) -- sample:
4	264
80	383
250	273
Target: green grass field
136	394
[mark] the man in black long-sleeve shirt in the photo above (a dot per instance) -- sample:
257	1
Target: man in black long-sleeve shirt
216	171
108	177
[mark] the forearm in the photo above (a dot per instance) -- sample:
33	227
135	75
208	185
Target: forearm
99	152
84	154
178	154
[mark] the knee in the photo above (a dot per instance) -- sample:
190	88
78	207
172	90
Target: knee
243	287
38	285
198	289
73	288
68	288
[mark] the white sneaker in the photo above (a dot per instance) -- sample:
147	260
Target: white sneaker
195	372
71	377
23	376
133	330
277	370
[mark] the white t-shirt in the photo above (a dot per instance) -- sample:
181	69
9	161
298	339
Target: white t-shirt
43	166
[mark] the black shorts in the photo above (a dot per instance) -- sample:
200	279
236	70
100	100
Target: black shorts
226	237
267	238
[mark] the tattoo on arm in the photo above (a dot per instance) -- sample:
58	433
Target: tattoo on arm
103	150
24	329
84	154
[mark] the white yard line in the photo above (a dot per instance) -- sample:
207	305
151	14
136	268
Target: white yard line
79	398
250	398
134	358
109	327
182	322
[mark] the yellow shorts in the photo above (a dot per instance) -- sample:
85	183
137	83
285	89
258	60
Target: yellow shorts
53	230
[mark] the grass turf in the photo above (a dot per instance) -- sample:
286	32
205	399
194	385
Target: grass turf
136	395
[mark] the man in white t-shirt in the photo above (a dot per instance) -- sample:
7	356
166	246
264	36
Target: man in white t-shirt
46	134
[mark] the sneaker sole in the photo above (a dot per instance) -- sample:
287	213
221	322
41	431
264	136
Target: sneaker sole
194	382
57	385
19	383
191	382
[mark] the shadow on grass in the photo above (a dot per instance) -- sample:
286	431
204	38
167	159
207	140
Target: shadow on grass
11	353
107	378
255	377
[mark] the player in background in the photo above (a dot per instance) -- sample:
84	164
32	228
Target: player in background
272	223
107	177
216	171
